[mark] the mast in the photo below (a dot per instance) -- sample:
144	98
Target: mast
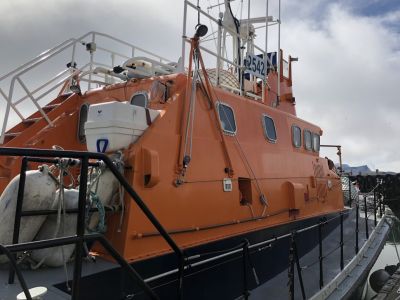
279	53
266	51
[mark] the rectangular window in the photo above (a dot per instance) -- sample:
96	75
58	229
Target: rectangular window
307	140
269	128
296	132
315	143
227	118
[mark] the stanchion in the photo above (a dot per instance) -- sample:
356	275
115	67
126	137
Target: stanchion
349	191
246	293
357	216
341	242
294	257
366	217
375	222
291	269
18	210
321	271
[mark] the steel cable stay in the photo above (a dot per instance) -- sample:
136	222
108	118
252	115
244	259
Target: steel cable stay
218	102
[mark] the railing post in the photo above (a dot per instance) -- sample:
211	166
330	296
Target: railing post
14	266
379	198
341	242
375	221
350	200
296	256
125	265
18	210
357	216
245	251
80	228
291	269
219	36
5	120
366	217
91	53
181	275
321	271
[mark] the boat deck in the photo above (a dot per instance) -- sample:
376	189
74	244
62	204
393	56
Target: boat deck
48	277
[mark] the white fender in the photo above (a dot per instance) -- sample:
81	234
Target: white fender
39	194
53	257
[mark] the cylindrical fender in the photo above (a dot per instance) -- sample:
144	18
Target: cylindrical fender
54	257
39	194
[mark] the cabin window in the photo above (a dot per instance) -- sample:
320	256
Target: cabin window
227	118
296	131
316	140
83	114
269	129
140	99
307	140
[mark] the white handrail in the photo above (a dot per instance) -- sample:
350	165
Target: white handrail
48	85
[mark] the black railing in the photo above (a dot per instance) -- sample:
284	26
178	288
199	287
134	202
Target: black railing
38	155
377	201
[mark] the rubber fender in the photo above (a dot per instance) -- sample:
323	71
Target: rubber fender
378	279
39	194
54	257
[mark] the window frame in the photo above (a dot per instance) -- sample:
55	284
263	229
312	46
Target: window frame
265	128
311	140
146	96
294	145
319	142
228	132
80	133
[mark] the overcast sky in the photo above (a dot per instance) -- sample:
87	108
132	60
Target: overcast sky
346	79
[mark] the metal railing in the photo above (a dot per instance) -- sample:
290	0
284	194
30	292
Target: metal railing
36	155
62	61
221	57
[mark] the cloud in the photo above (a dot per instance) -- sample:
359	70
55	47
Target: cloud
346	81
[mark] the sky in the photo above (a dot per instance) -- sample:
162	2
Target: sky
346	80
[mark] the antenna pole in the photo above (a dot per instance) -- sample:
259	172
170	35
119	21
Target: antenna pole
279	53
266	52
184	34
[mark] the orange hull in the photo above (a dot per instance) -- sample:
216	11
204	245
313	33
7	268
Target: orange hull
296	182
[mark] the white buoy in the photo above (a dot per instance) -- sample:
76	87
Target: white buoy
39	194
36	293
